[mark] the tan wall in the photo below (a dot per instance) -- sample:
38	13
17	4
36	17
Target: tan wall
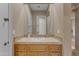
18	25
34	14
77	29
60	18
21	14
50	20
67	41
28	21
56	19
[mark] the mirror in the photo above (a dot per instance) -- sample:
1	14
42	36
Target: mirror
38	20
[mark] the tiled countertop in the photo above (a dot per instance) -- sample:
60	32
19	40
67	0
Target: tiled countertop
38	40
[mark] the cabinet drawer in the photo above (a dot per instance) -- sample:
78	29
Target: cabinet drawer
21	47
55	54
20	53
37	53
38	47
55	47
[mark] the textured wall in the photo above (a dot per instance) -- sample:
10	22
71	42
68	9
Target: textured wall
67	41
77	29
21	17
56	19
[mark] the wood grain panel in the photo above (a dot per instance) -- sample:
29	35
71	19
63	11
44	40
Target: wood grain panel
21	47
38	47
38	53
55	47
37	50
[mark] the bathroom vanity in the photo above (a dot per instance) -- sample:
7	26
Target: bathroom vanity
38	46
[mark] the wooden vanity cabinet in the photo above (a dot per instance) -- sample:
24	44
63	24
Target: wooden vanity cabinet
37	50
